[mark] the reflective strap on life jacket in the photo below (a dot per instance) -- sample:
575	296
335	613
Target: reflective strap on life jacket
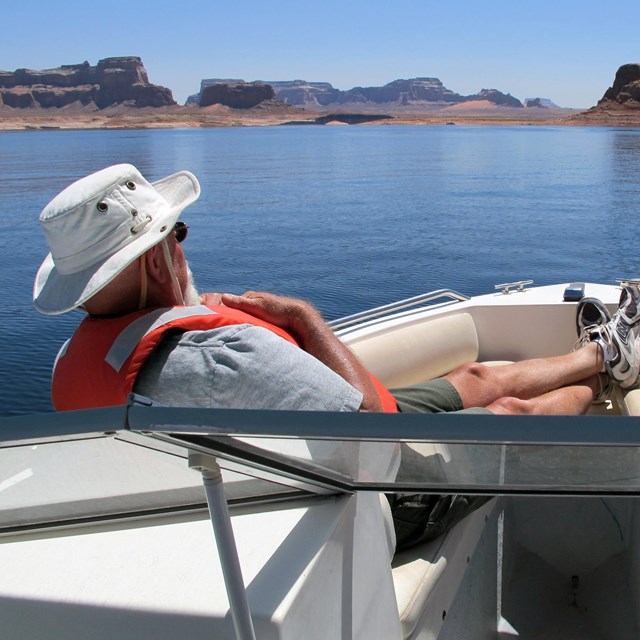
131	336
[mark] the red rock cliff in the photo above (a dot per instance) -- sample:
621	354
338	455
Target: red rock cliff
111	82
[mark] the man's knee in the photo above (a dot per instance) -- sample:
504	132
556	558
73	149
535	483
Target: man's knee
471	371
511	406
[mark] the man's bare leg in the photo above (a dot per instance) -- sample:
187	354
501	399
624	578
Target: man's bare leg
568	401
480	386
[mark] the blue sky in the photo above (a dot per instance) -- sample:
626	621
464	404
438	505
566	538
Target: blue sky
565	50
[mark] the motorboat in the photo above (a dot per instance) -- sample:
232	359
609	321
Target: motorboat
146	521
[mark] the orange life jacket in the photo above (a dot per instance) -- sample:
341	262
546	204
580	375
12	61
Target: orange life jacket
99	364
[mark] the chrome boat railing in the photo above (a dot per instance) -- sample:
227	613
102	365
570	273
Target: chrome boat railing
377	312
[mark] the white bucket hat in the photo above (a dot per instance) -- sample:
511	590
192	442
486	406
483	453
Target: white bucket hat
99	225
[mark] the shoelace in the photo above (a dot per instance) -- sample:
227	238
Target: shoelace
592	333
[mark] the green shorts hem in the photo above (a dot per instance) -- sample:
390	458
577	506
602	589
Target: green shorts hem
432	396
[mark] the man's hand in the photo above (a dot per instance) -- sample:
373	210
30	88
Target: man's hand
291	314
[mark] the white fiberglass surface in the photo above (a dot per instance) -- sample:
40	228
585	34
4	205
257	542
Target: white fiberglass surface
59	482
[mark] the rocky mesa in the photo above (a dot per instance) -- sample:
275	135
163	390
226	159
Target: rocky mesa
399	94
113	81
620	104
626	87
237	95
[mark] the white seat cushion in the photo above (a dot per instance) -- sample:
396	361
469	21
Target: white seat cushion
630	402
409	354
427	577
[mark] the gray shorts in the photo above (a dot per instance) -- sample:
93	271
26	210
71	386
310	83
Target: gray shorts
432	396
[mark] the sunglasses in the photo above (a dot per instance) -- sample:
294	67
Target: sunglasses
180	230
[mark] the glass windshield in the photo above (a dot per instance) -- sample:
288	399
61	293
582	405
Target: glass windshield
56	470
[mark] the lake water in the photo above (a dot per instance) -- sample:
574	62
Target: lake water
347	217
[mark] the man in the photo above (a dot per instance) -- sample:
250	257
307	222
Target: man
116	253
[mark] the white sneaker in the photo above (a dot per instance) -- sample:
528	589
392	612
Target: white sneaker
621	336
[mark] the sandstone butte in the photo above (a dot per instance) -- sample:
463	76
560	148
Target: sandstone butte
116	93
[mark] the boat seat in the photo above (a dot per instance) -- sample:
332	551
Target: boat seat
418	351
629	402
426	577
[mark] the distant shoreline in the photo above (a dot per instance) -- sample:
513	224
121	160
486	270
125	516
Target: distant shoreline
218	116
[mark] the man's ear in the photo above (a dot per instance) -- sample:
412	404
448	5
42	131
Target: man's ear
155	264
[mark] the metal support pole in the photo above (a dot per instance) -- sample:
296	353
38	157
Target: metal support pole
227	550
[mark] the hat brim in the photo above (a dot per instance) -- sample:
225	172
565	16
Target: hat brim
54	293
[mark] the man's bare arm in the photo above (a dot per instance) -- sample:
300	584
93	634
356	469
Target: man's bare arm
305	323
